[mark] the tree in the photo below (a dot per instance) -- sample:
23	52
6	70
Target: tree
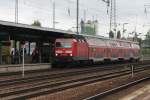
37	23
148	35
118	35
89	27
146	42
111	34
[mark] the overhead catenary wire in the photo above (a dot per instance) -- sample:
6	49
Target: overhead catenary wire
89	11
65	10
72	8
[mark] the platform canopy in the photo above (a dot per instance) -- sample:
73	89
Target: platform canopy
22	32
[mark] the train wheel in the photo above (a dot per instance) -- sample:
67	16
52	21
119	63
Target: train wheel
132	60
74	64
137	60
90	62
54	65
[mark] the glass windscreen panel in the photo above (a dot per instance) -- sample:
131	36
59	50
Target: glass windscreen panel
63	45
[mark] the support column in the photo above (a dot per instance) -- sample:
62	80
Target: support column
15	45
50	51
40	52
0	52
38	47
29	48
20	60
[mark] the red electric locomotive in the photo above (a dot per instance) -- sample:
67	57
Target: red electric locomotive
81	48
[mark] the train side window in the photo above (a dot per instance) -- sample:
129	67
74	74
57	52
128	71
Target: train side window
78	40
82	41
130	44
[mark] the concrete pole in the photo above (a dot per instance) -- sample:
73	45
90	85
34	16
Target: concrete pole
123	30
132	68
0	53
23	69
54	14
111	12
16	11
84	15
77	17
115	19
29	46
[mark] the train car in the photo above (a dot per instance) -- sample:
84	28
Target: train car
70	50
135	51
83	49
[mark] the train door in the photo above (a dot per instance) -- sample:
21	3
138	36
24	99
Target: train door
89	47
108	50
45	52
101	49
120	50
82	49
105	49
114	53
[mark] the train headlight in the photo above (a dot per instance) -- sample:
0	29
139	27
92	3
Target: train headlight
56	54
71	54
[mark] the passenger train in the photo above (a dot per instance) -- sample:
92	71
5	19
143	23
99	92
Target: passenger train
83	48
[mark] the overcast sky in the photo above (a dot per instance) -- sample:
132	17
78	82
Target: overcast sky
128	11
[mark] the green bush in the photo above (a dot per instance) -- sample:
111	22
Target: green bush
145	52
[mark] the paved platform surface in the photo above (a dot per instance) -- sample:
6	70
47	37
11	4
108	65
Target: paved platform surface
146	58
18	67
140	94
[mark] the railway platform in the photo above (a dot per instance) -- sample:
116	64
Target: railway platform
18	67
139	94
140	91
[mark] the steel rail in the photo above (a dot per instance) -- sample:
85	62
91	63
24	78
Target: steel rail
56	75
102	94
55	86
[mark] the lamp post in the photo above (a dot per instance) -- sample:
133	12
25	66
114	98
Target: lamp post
23	58
123	30
16	11
0	52
109	4
54	14
77	17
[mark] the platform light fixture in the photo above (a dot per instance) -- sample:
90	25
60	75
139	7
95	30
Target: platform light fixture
123	30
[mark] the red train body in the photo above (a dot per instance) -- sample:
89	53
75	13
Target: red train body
89	48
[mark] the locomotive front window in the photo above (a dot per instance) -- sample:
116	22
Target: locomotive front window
63	45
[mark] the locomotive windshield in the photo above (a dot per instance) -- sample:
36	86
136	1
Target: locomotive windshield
63	45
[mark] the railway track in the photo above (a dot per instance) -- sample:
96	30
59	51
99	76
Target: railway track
54	75
51	74
44	70
119	88
37	73
48	86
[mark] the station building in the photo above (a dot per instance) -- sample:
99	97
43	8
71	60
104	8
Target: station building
38	43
